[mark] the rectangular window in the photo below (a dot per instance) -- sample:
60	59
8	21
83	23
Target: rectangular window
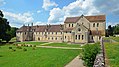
48	32
72	25
52	38
56	32
76	37
61	32
52	32
82	37
79	37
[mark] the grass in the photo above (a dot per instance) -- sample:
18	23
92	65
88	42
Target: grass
114	38
112	52
63	45
33	43
40	57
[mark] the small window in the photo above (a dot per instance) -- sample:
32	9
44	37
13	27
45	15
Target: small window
38	38
52	32
97	24
61	32
56	32
79	29
56	38
25	33
61	38
93	24
65	37
82	37
79	37
72	25
82	23
76	37
42	32
66	31
39	32
52	38
69	25
48	32
70	32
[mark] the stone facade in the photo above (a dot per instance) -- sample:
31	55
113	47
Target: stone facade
82	29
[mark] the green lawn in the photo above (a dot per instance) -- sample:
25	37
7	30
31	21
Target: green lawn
40	57
64	45
112	52
115	38
33	43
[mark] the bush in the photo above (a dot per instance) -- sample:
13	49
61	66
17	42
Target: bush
33	48
34	45
30	45
89	54
24	49
19	47
13	50
10	47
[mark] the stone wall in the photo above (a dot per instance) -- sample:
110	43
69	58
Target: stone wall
100	58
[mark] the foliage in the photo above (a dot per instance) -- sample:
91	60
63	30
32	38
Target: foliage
89	54
24	49
12	31
10	47
4	28
116	29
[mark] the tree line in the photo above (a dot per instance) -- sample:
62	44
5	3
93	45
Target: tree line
112	30
6	31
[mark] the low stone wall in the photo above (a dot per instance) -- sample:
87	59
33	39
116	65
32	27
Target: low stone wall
100	58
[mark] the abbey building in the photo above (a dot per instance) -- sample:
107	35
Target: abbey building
82	29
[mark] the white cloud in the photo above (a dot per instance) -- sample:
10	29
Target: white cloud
76	8
2	2
48	4
18	19
39	23
38	11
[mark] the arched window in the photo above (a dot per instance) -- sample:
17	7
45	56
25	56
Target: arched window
93	24
82	37
76	37
69	25
72	25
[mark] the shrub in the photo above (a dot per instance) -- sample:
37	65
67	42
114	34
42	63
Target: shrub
19	47
24	49
30	45
34	45
89	54
13	50
10	47
33	48
1	56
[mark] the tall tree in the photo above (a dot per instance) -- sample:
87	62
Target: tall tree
110	30
4	28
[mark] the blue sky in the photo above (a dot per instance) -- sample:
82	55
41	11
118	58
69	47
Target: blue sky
40	12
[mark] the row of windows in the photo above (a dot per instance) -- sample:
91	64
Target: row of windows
78	37
94	25
51	38
47	32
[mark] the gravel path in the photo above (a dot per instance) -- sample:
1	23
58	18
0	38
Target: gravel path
76	62
58	47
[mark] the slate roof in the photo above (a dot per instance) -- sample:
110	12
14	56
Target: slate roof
89	18
41	28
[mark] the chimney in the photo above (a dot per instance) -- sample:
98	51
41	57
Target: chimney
28	25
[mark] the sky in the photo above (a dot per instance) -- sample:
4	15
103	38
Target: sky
42	12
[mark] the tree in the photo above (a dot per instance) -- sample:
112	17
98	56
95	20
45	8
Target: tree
110	30
12	31
116	29
4	28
